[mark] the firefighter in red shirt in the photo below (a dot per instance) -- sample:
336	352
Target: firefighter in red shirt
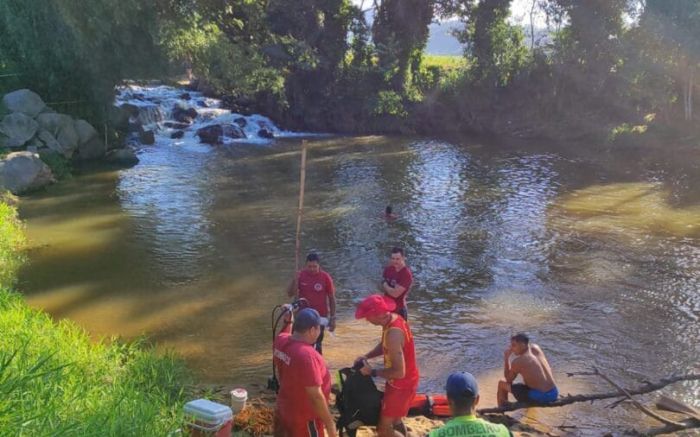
396	281
316	287
301	409
400	369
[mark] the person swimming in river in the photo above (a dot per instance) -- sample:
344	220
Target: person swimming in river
389	214
529	362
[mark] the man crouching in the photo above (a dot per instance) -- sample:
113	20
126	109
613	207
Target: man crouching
539	386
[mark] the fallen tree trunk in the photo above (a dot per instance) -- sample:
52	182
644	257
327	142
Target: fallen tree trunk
567	400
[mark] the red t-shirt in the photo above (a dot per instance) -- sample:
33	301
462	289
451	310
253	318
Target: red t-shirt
298	366
410	379
315	288
404	278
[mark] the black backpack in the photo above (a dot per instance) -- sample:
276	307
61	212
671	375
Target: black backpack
359	401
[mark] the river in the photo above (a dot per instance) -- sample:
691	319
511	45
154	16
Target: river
595	253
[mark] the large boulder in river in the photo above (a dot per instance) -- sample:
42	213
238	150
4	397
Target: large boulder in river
210	134
21	172
46	139
25	101
266	133
17	130
234	131
62	128
90	146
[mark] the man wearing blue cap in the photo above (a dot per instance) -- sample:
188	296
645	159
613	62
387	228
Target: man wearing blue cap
463	397
302	402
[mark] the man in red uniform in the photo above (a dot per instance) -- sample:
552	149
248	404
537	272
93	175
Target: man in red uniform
302	402
400	369
316	286
397	280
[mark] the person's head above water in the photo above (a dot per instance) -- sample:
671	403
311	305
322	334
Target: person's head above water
462	393
389	210
313	263
520	343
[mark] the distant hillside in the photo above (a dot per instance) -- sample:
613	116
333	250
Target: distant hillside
441	41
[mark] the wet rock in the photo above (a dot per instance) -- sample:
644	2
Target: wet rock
202	104
241	121
147	137
17	130
174	125
122	157
93	149
62	128
211	134
21	172
130	109
265	133
185	96
24	101
177	134
184	115
234	131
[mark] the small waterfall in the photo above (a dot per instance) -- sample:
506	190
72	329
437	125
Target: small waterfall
175	116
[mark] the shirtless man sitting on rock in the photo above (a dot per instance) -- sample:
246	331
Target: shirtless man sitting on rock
539	386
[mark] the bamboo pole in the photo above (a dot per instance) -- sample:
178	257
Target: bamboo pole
300	208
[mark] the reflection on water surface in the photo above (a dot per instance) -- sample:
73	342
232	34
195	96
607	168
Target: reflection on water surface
596	256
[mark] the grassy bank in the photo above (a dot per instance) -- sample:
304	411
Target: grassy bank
55	381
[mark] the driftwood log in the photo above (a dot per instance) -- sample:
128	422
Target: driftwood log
572	399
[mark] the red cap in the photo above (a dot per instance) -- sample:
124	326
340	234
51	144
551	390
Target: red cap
374	305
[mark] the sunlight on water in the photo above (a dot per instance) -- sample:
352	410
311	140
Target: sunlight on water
630	209
598	258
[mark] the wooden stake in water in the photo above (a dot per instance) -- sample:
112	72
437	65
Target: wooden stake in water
300	209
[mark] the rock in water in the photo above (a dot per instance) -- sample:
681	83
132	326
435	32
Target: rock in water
93	149
21	172
62	128
265	133
234	131
184	115
211	134
17	128
147	137
177	134
25	101
122	157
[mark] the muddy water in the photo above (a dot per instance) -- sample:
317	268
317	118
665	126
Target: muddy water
595	254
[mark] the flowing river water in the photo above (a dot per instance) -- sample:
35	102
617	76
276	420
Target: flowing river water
594	253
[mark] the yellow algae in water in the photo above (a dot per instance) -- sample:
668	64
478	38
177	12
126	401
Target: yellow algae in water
629	207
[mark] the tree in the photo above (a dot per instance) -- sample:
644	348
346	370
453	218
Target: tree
400	32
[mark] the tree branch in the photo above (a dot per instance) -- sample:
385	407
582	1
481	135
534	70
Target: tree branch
639	406
566	400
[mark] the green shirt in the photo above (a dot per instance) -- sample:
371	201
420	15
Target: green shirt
470	426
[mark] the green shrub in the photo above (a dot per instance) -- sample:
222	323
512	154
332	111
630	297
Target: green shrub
60	166
389	103
11	243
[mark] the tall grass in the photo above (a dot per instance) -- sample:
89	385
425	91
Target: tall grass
11	242
54	381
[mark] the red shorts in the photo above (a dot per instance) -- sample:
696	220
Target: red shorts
298	428
397	401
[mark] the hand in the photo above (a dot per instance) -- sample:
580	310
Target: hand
366	369
359	361
508	352
331	324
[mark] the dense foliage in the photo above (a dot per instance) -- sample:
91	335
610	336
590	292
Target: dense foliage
319	64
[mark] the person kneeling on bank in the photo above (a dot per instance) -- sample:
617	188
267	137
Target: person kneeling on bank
463	397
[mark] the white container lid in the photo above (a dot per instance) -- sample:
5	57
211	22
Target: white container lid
239	394
208	412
